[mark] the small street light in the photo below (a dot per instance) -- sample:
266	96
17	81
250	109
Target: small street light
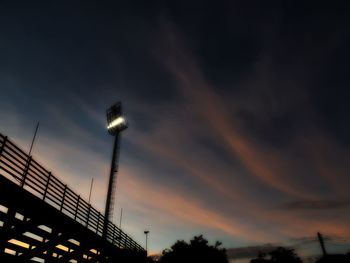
146	232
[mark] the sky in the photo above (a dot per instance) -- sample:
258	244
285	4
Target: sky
238	114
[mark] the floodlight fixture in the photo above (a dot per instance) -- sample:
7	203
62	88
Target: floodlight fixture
115	120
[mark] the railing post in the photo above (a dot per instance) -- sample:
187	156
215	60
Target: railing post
125	242
98	222
77	207
88	216
47	185
26	171
118	237
64	195
3	145
113	236
106	230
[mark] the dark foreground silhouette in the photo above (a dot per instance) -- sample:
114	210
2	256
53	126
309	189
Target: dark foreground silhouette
285	255
335	259
279	255
197	250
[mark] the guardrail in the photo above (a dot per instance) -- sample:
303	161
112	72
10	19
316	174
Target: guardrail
23	170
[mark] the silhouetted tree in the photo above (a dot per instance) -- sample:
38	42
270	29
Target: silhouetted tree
261	258
279	255
284	255
198	250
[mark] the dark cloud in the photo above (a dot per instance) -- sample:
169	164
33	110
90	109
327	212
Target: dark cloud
249	251
301	242
317	205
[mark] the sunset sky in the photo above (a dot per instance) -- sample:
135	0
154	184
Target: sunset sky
238	113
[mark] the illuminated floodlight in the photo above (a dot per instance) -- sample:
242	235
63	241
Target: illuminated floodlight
115	120
120	121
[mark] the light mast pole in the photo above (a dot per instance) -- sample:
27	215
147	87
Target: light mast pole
116	123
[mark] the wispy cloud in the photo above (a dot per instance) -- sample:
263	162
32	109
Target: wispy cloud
265	164
182	207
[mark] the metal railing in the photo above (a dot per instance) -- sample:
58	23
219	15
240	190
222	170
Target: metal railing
23	170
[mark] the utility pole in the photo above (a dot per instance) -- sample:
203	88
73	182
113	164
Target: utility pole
321	240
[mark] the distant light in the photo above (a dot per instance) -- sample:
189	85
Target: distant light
118	121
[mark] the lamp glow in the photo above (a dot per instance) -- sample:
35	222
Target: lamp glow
118	121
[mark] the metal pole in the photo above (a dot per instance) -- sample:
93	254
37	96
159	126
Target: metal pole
146	232
29	156
31	146
114	168
92	183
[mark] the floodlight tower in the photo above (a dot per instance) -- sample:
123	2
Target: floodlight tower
116	123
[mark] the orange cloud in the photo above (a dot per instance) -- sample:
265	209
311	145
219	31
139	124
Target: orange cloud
184	208
264	165
328	160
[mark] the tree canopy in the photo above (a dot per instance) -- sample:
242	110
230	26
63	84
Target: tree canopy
279	255
197	250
